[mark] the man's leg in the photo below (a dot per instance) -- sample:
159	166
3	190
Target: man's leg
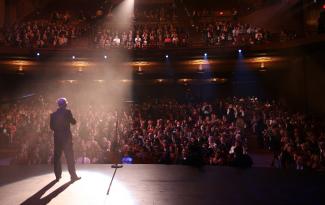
68	152
57	160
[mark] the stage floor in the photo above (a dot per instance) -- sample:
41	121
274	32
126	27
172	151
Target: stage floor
160	184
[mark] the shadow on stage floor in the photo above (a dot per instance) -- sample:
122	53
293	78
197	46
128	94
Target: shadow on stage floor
160	185
37	197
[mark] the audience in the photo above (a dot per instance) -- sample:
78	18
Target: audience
142	36
56	31
222	33
295	140
170	132
159	26
159	13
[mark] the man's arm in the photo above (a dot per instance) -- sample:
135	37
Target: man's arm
71	119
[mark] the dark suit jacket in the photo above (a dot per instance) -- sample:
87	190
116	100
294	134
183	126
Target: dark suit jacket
60	122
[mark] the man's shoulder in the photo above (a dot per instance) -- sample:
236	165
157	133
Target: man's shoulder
56	112
60	111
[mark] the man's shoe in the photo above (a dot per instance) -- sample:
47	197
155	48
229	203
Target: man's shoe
75	178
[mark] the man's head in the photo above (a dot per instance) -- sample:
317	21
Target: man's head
62	102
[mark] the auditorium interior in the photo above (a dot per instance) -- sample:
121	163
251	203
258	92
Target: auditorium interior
175	101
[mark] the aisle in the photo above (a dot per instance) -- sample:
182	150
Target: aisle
260	157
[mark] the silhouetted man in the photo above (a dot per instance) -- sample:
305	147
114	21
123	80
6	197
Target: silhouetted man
60	123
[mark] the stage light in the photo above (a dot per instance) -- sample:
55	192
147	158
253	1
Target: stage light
184	81
105	57
73	57
262	59
199	62
124	13
200	70
38	54
167	56
80	64
239	51
125	81
140	71
323	6
205	54
21	62
71	81
127	160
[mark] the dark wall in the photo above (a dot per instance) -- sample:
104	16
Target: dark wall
300	79
301	83
16	10
2	12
